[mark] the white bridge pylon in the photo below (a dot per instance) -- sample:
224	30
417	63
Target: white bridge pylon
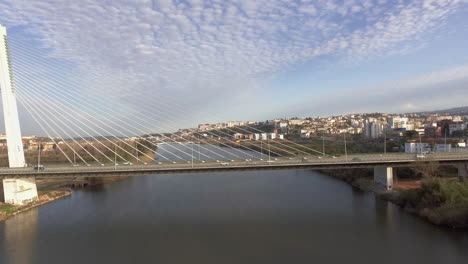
16	191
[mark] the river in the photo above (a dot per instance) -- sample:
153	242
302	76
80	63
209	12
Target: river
289	216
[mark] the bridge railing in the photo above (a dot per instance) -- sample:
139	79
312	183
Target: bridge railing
350	159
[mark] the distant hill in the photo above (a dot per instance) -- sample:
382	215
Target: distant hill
451	111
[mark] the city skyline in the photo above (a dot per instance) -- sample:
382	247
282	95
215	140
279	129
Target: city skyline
427	123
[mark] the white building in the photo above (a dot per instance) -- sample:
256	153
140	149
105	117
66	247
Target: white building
238	135
410	126
456	127
420	131
220	125
440	118
398	122
417	147
235	123
297	122
373	129
204	127
443	148
281	124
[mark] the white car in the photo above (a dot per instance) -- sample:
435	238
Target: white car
224	163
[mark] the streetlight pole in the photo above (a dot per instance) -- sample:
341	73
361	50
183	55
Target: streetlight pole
385	142
420	144
445	140
192	154
323	145
39	157
115	157
345	149
261	149
136	148
269	156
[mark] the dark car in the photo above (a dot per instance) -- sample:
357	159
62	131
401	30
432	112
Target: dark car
39	168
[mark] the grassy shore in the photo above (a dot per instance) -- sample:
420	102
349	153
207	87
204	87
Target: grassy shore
440	201
8	210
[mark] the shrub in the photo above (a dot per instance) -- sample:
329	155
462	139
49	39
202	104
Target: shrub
7	208
455	193
436	193
432	195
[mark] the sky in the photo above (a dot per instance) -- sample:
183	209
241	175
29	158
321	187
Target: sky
214	60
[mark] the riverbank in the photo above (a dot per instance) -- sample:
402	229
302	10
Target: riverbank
54	189
8	210
440	201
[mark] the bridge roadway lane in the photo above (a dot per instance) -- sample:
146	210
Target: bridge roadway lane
312	162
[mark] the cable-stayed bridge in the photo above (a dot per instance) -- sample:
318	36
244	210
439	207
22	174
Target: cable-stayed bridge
97	132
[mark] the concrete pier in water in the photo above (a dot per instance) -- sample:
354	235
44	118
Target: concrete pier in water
383	176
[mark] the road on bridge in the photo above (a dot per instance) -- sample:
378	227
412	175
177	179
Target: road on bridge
329	162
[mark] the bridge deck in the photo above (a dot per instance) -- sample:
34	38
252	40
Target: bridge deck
354	161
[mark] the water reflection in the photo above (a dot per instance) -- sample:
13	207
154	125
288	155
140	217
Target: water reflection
385	214
19	237
294	216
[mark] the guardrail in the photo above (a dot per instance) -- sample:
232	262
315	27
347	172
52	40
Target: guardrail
305	161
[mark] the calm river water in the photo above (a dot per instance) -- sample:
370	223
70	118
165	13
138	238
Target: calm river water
291	216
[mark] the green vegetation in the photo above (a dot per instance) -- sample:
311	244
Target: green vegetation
7	209
334	145
55	194
441	201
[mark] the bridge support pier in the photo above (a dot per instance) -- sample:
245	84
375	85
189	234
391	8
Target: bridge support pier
20	191
383	176
462	171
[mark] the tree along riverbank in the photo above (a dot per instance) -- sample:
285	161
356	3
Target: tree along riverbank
439	199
